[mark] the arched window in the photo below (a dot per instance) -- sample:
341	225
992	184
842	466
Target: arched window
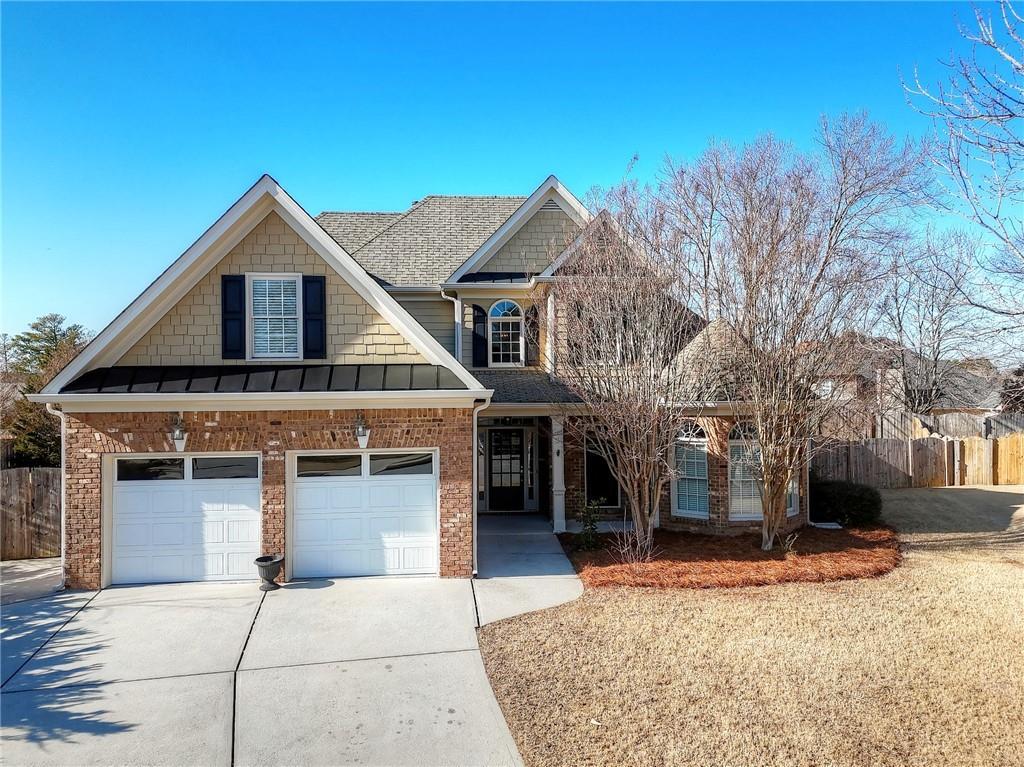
690	486
744	479
505	334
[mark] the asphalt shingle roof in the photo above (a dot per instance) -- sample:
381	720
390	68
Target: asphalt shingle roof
524	386
425	244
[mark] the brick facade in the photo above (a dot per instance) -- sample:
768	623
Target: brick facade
717	430
92	435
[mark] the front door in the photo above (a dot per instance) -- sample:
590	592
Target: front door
505	469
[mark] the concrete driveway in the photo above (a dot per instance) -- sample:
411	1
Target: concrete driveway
359	671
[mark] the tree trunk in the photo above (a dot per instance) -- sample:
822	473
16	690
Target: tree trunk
773	512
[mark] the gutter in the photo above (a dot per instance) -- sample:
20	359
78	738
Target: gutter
145	402
457	302
63	487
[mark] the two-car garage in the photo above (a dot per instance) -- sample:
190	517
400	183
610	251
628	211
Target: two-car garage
193	517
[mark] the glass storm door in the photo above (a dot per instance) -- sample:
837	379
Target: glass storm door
505	469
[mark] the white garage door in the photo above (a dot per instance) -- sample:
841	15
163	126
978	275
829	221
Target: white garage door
369	513
185	518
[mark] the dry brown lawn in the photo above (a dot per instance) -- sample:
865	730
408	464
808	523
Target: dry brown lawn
923	666
688	560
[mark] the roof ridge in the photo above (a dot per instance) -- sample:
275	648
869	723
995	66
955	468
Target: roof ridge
360	213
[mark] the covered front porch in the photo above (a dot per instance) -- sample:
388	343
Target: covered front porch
526	466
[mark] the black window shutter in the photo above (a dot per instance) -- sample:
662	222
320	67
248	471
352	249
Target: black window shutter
532	338
479	337
314	317
232	316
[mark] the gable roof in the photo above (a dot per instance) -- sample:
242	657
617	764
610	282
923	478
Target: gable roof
426	243
550	189
265	196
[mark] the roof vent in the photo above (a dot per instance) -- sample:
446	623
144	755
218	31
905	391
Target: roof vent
414	203
550	205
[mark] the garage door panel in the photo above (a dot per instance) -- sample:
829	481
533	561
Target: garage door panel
348	496
168	534
417	526
417	557
422	496
385	527
385	496
167	501
312	498
243	531
131	535
346	530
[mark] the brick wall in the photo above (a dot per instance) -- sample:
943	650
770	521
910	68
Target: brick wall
190	334
91	435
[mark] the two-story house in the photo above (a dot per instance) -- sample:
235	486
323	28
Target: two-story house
350	390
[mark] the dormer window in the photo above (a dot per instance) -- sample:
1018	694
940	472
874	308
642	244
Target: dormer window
275	311
505	334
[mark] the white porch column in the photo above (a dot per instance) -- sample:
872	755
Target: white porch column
558	474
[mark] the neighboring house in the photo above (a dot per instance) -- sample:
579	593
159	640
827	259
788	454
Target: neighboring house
350	390
892	391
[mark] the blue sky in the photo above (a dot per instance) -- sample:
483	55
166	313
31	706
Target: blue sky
128	128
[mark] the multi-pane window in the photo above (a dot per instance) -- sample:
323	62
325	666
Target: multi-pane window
274	312
691	485
505	334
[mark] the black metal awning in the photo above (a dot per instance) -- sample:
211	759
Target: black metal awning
239	379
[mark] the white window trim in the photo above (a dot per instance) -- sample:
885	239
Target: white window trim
675	511
250	320
522	335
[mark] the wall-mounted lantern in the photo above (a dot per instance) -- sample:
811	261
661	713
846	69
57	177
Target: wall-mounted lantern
178	434
362	432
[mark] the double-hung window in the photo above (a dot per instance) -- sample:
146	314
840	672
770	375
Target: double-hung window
275	316
744	482
690	496
505	334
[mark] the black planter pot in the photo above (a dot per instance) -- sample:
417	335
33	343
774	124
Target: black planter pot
269	567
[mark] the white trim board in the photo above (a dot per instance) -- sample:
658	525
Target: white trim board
552	188
264	197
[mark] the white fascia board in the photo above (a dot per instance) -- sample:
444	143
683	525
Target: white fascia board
551	187
264	197
142	403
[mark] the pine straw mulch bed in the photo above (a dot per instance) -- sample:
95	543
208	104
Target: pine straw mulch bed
695	561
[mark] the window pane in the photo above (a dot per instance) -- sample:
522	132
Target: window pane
401	463
329	465
226	467
132	469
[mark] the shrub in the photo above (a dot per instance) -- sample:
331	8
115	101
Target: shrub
587	539
851	504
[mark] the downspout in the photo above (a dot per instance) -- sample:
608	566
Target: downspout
458	326
476	493
63	486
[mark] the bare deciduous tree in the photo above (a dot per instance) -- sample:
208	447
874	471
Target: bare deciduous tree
622	316
979	147
787	249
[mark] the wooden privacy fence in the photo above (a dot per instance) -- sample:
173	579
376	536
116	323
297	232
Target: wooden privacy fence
923	462
30	513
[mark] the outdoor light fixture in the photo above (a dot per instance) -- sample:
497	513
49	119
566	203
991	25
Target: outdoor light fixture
179	435
362	432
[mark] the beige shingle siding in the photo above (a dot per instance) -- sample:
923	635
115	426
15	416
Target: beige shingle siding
437	316
190	333
535	245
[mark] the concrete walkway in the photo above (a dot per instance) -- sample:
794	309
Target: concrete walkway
358	671
521	566
22	579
